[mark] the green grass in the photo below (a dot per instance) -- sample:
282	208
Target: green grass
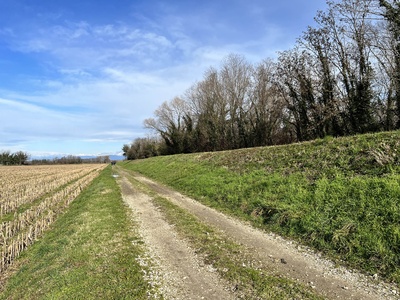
252	280
89	253
340	196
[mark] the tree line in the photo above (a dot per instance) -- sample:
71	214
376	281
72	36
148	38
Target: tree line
72	159
22	158
342	77
17	158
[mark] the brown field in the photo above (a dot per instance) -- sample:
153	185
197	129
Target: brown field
31	197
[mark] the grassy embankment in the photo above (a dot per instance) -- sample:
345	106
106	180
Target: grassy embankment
340	196
248	279
88	253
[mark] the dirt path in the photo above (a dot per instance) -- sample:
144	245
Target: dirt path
183	276
288	259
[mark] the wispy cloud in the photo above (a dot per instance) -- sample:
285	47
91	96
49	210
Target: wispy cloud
91	77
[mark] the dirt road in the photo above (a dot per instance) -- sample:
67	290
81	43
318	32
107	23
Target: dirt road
184	276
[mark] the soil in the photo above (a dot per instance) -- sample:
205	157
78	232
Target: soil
180	273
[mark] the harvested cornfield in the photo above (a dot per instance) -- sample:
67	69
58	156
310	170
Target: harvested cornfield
31	198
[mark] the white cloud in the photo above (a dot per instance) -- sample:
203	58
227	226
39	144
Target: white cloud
110	108
81	45
72	31
96	81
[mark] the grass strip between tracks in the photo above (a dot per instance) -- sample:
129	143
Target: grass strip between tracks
246	277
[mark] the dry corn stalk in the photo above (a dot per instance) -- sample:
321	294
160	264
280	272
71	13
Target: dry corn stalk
61	184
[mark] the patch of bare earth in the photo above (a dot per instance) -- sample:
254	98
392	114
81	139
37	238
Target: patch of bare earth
286	257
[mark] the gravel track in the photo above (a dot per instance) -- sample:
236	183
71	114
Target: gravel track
183	276
188	278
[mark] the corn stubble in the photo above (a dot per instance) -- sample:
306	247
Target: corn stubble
31	198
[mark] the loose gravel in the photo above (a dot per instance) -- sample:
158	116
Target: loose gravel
176	273
285	257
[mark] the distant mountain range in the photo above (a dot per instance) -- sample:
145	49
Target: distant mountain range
112	157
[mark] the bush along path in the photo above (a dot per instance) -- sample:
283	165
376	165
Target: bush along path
249	263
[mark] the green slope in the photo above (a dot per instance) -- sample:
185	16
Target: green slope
340	196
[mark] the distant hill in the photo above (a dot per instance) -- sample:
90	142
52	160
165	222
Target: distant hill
112	157
117	157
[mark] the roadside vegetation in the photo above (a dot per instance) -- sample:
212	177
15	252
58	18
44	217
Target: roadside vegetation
249	279
339	196
90	252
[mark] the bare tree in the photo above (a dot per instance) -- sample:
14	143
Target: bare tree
236	84
341	78
328	108
392	15
171	122
266	105
295	82
347	23
209	111
383	49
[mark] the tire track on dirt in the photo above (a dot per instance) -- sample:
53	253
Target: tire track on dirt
183	276
284	256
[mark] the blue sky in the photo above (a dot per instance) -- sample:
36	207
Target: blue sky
80	76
